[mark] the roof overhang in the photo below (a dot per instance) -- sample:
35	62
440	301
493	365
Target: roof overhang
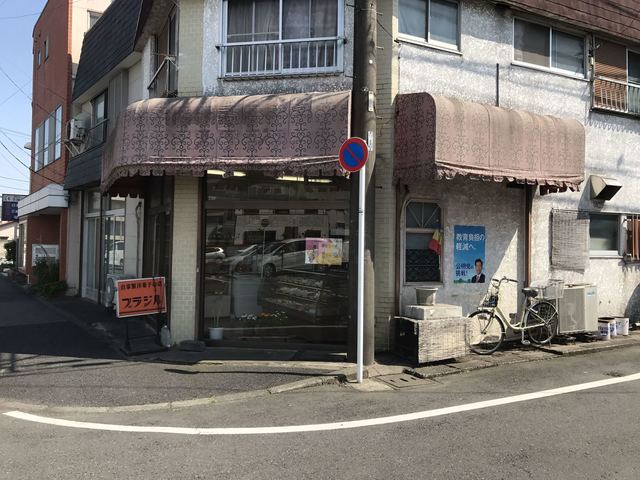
49	200
274	134
440	137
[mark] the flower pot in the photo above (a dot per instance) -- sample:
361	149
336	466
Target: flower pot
426	295
216	333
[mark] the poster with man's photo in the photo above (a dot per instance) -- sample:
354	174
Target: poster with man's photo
469	254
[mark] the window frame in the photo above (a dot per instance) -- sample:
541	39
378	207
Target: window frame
403	240
551	69
281	71
92	13
620	240
57	133
435	43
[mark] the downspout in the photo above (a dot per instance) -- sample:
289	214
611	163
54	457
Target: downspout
528	193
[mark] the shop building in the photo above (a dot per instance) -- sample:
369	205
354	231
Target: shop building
514	136
57	39
216	164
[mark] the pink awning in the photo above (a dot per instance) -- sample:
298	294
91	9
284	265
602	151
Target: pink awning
439	137
297	133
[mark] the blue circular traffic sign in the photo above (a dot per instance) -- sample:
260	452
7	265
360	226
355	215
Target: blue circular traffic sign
354	153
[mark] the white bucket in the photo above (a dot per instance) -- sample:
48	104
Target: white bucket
215	333
606	328
622	326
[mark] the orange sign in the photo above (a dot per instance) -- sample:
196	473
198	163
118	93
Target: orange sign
141	296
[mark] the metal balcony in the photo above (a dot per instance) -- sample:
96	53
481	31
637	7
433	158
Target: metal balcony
282	57
615	96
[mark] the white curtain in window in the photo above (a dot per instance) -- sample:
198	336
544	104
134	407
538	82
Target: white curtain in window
309	18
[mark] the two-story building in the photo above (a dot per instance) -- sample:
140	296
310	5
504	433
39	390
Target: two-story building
209	157
513	153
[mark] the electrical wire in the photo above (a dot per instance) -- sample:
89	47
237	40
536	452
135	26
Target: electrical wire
28	167
14	179
20	189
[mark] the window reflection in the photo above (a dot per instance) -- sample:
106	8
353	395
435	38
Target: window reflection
276	259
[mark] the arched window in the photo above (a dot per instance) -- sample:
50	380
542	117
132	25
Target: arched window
422	242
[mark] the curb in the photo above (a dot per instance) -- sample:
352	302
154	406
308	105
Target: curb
453	369
329	379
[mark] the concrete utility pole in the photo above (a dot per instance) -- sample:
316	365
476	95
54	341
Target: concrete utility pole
363	125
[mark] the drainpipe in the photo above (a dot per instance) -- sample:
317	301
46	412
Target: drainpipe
528	194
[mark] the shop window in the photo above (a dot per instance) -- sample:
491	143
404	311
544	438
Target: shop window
273	271
604	234
547	47
431	21
422	242
271	37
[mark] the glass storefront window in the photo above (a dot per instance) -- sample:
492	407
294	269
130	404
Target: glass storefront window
276	258
93	202
114	244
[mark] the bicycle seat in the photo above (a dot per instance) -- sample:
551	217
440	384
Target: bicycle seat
530	292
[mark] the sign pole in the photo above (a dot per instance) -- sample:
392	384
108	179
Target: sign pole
361	207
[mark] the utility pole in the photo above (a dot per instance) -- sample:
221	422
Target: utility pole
363	125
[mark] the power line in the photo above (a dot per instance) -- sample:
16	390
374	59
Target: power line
15	132
14	179
14	188
24	164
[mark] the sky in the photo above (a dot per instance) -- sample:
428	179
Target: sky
17	18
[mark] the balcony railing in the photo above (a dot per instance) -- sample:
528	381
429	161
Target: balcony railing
616	96
282	57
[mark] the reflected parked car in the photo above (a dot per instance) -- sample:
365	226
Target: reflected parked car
283	255
214	253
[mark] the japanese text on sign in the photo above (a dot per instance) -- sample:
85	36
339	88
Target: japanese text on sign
469	254
141	296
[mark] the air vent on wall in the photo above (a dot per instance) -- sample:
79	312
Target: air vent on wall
603	188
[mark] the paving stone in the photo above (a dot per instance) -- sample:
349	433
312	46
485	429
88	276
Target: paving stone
433	371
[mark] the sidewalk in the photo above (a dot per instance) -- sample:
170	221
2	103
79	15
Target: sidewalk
63	354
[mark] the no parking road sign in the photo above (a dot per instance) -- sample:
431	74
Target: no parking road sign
354	153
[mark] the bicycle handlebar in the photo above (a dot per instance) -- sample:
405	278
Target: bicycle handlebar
503	279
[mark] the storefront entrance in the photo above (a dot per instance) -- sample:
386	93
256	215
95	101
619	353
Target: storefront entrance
275	259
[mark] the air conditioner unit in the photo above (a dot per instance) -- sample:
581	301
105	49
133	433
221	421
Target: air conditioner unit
578	309
110	294
78	127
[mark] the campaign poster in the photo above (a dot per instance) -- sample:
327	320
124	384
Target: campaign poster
323	251
469	254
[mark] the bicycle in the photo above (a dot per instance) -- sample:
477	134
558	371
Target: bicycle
538	317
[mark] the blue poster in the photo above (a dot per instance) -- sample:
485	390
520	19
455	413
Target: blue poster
468	254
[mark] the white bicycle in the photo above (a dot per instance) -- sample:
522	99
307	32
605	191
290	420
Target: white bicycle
538	318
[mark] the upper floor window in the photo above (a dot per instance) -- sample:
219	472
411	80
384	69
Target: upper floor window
547	47
48	140
274	37
93	18
431	21
98	132
46	48
616	85
39	57
165	80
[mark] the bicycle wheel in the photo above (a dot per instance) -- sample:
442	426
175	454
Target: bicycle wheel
545	316
485	332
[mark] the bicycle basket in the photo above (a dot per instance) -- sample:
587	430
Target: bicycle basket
490	301
552	290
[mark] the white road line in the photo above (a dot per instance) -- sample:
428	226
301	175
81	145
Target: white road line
320	427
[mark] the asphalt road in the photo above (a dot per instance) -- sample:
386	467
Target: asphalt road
45	359
592	434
